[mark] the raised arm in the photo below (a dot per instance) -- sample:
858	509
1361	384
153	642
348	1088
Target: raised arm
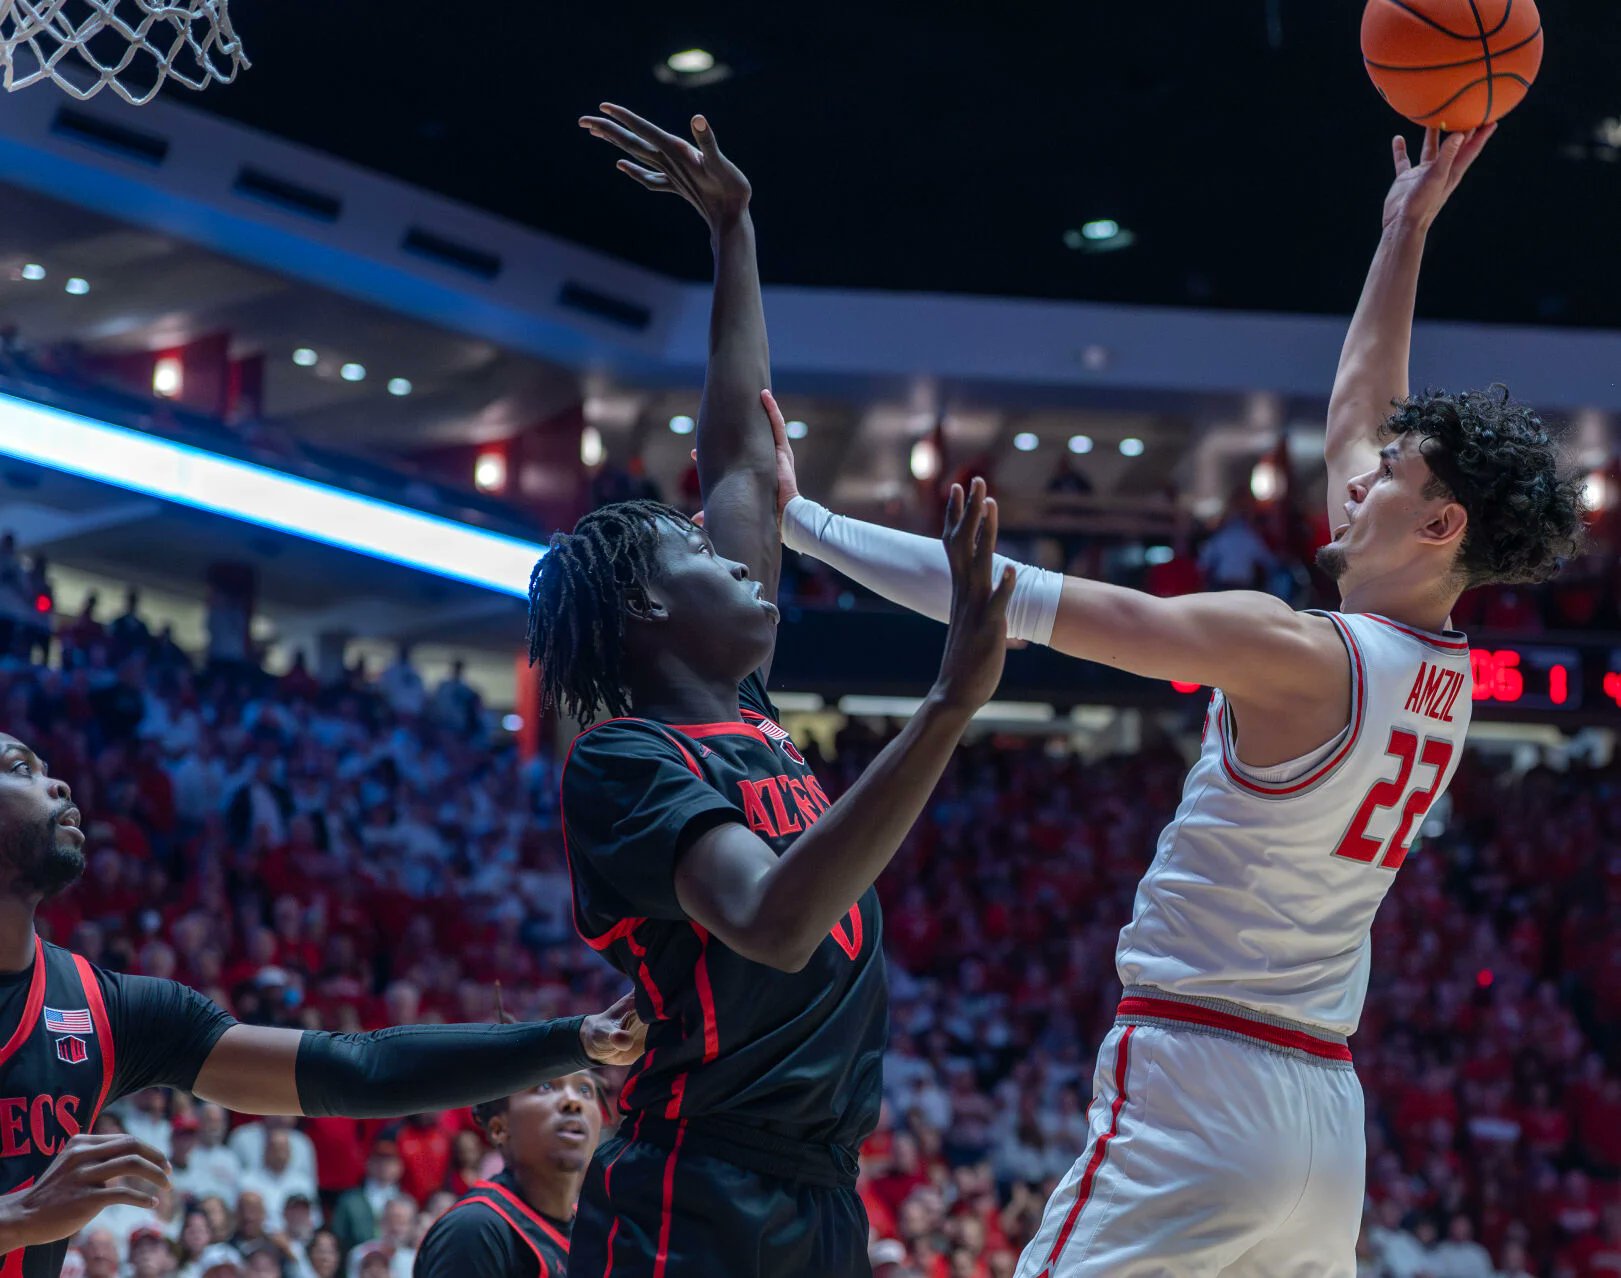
1252	646
735	465
777	910
1372	372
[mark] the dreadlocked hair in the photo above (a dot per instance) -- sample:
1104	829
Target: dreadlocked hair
1495	458
577	596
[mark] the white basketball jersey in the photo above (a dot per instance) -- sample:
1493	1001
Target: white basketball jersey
1264	886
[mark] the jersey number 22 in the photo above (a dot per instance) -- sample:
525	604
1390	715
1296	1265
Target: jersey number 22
1358	845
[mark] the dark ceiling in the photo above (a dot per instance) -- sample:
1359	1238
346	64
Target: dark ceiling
950	146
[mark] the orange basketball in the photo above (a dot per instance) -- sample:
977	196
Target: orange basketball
1453	64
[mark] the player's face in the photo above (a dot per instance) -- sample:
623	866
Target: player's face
41	844
709	608
556	1125
1390	524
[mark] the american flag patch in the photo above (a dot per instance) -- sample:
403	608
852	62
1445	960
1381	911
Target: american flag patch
60	1022
771	730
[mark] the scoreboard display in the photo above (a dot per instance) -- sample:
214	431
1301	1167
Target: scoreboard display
1552	681
1530	677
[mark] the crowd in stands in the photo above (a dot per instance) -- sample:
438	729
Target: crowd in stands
371	853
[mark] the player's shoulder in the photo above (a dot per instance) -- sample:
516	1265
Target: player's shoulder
468	1224
612	739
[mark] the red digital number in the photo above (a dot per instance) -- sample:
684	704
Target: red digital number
1497	675
1358	845
1558	685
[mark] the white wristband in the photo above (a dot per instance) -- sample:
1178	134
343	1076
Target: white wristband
913	571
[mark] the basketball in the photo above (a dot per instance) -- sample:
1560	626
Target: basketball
1452	64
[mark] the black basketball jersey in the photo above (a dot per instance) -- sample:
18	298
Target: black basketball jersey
56	1070
491	1232
798	1054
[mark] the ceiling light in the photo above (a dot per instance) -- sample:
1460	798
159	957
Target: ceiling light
691	61
490	472
76	286
33	271
512	722
1080	444
400	386
304	357
591	448
259	495
168	376
797	430
1159	554
925	460
1131	447
1598	490
353	372
682	424
1026	442
1104	235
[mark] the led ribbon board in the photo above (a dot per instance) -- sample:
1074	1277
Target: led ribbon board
240	490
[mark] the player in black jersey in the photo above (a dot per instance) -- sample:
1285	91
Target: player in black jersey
517	1224
74	1038
707	862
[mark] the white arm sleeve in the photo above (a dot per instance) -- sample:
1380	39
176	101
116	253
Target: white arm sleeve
911	570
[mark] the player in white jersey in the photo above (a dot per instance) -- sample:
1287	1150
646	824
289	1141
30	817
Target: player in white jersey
1227	1124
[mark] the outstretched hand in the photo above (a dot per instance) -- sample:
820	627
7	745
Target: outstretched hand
660	161
1420	190
614	1037
787	480
976	642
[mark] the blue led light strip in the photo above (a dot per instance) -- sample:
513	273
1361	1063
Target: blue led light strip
193	477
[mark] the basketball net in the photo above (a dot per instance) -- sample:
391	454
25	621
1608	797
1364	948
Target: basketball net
129	46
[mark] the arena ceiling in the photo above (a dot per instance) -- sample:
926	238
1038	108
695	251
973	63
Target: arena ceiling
952	147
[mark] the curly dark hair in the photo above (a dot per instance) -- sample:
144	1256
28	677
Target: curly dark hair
577	595
1496	459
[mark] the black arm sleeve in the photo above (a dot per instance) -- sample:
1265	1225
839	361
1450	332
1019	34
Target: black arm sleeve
411	1069
162	1031
472	1242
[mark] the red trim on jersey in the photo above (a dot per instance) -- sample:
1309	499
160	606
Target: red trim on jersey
607	1193
641	1067
31	1008
721	730
678	1092
1122	1059
1445	642
546	1227
1276	790
1164	1009
545	1269
643	974
667	1214
98	1015
624	927
706	997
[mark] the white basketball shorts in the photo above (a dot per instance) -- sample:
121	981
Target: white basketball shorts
1221	1142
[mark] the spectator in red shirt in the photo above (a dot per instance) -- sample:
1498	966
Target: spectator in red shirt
425	1150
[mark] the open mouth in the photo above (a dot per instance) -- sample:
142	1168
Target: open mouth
1341	531
574	1131
69	820
759	598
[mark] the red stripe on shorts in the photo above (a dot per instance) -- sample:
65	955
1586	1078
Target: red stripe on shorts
1122	1058
1164	1009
